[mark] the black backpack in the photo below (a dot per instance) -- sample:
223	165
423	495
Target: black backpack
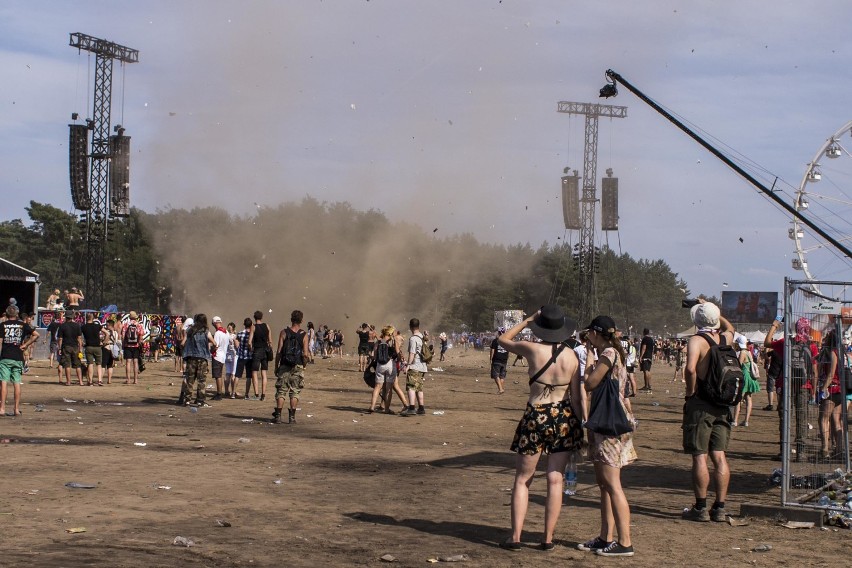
383	353
291	351
131	336
724	383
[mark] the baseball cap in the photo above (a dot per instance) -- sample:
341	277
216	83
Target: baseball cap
217	319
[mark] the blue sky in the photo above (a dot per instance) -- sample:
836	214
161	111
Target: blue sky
237	103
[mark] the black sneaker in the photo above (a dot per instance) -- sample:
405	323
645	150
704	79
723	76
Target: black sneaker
615	549
421	410
408	412
594	545
217	396
509	545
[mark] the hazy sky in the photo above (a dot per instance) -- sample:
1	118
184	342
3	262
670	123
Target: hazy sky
380	102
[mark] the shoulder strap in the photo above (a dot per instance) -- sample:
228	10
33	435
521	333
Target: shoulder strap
710	341
556	351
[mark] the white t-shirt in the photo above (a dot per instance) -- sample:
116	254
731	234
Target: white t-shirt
415	344
221	338
580	350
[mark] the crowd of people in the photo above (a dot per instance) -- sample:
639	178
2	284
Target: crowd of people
580	385
579	402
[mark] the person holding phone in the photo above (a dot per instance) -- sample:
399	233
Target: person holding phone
551	421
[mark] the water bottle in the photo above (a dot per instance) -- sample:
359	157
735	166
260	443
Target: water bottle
823	500
571	474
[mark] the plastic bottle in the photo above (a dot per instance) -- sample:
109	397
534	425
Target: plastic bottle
571	474
823	500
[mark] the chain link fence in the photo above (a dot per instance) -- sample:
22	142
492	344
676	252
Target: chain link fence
814	401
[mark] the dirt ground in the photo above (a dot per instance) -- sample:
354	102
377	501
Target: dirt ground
353	487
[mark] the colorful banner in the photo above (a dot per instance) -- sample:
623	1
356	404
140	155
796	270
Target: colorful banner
167	323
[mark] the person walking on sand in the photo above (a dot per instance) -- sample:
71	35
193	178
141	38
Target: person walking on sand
131	340
292	357
385	355
93	335
261	347
196	352
416	370
609	453
70	347
499	360
646	358
179	335
550	424
752	386
244	359
16	337
706	426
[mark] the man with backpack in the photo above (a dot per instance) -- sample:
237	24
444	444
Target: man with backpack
131	341
419	354
290	369
803	369
714	382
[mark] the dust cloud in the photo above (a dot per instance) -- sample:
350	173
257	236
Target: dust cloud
339	265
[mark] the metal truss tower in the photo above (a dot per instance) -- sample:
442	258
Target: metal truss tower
97	216
586	250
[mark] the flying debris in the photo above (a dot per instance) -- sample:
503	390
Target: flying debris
435	230
725	284
741	239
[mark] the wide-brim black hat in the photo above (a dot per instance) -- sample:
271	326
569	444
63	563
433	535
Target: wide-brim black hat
551	325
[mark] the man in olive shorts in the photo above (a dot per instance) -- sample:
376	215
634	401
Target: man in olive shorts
416	372
706	426
292	356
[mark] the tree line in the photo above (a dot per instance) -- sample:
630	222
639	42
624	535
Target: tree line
337	262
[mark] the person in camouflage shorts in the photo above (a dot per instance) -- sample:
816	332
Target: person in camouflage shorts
292	354
196	352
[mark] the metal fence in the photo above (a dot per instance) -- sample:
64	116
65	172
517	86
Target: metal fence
814	427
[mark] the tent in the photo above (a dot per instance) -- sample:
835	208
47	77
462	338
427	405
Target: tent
687	332
19	283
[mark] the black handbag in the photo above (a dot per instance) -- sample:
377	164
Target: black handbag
370	375
607	415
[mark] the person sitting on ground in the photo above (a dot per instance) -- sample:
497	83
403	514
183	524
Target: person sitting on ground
550	424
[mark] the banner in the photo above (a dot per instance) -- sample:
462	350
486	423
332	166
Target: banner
166	322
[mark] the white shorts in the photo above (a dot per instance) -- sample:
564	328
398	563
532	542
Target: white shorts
386	373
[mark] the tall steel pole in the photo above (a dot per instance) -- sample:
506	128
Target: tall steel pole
99	213
586	253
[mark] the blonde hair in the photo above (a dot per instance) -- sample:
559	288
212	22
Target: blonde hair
389	330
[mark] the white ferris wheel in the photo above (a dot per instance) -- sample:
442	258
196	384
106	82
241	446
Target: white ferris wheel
825	196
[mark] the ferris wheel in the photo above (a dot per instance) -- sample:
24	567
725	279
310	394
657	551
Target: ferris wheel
825	195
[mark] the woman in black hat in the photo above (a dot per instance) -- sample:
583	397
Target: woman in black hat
609	453
551	423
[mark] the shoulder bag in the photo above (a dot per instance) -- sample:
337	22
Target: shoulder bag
607	416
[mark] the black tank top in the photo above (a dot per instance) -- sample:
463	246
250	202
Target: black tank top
261	336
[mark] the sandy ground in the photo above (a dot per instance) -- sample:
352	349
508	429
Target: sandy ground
353	486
